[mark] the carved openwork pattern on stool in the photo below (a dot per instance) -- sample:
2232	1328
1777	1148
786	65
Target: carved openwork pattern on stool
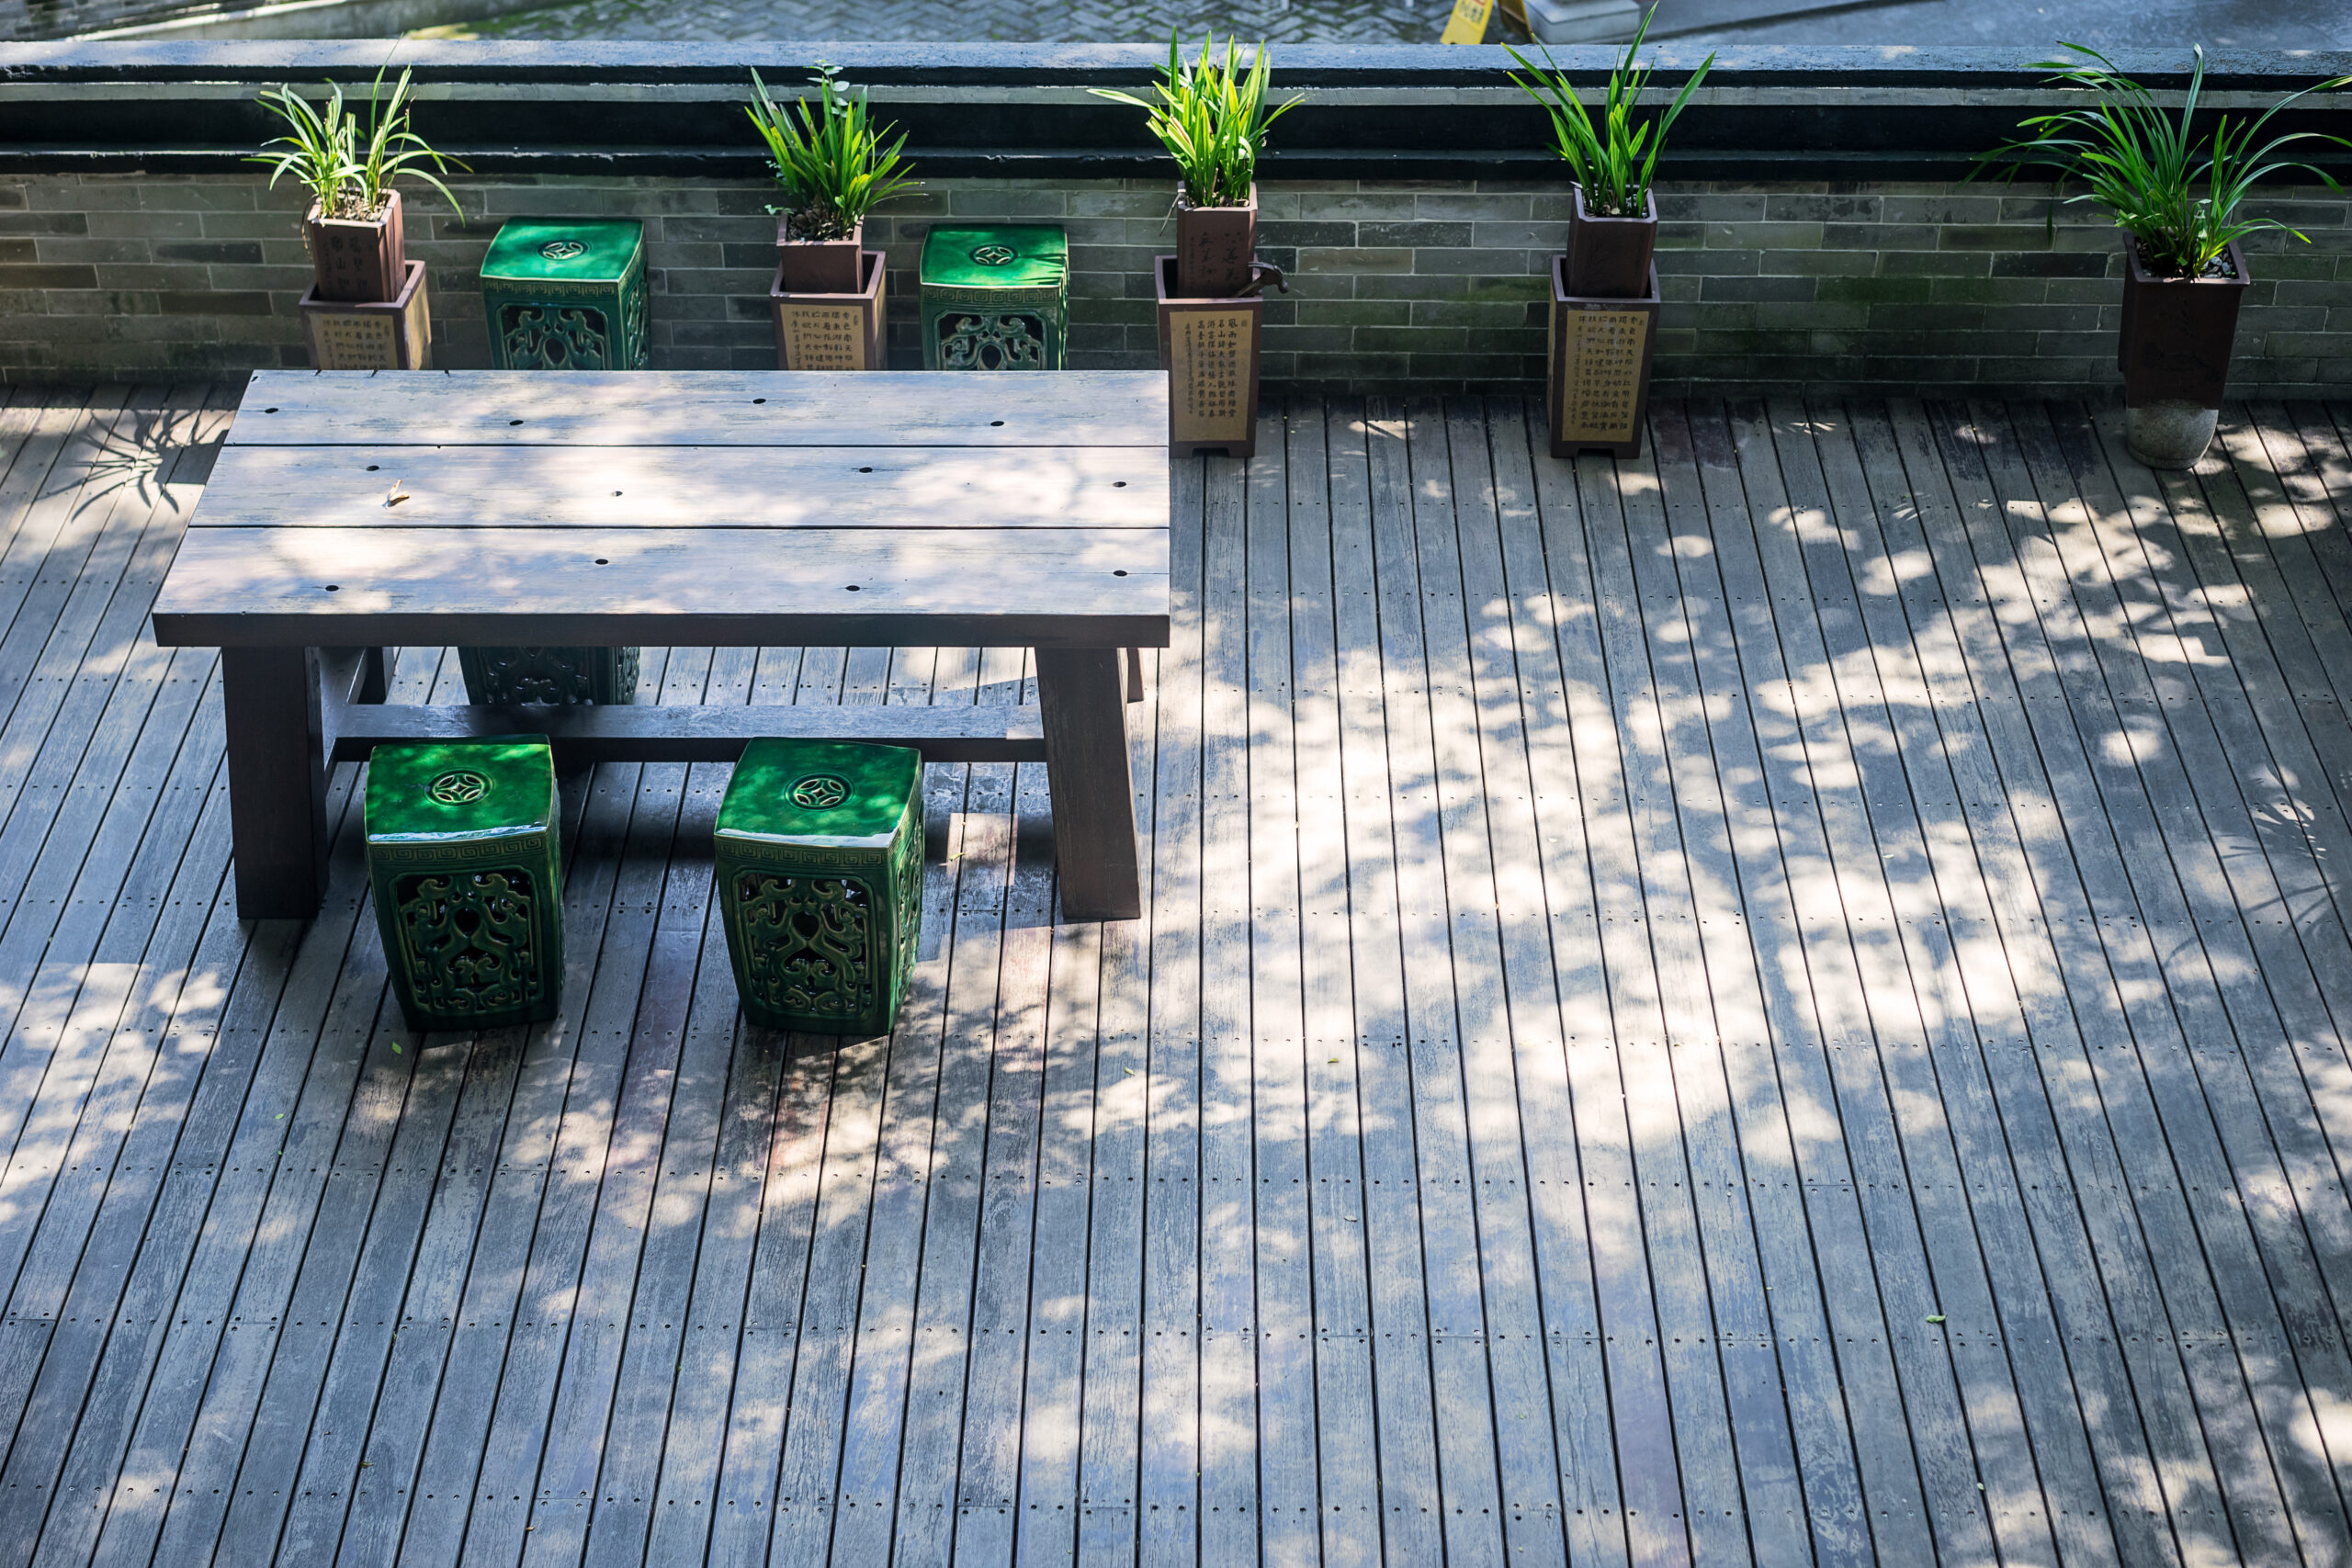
809	941
469	940
1015	341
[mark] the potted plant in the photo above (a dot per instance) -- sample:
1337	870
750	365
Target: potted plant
1603	326
353	227
830	163
1213	118
2184	275
1612	219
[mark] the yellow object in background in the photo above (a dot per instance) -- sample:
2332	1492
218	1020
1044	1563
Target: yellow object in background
1469	22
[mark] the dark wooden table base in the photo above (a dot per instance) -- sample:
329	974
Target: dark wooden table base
293	712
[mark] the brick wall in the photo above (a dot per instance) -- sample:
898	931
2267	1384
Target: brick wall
1437	285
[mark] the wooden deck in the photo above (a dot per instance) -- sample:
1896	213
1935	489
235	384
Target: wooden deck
1785	1001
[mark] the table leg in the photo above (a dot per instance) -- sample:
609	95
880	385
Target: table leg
1082	692
371	679
277	780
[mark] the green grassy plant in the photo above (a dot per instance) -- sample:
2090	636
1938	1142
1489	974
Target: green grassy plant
323	150
1613	158
828	157
1212	116
2146	166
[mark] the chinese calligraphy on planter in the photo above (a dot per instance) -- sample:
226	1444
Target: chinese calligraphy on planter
1208	375
823	337
1600	372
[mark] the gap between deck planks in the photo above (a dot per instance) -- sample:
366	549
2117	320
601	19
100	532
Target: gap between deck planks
1785	1000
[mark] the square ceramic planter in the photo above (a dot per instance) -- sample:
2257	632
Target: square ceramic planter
2173	347
1215	246
1608	258
358	259
1598	385
1210	349
831	331
393	335
819	267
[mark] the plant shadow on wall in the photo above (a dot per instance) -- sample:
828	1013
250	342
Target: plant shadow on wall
2177	194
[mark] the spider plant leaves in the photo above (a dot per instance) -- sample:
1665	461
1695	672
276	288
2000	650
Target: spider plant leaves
827	156
323	150
2146	166
1212	116
1614	158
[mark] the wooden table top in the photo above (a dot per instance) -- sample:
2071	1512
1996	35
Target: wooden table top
712	507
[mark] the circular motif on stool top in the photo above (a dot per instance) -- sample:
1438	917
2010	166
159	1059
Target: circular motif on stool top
459	786
562	250
819	792
993	255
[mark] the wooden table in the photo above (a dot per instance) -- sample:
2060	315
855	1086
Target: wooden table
350	511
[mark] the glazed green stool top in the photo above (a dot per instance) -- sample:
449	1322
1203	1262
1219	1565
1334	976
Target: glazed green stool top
566	293
464	854
819	852
995	298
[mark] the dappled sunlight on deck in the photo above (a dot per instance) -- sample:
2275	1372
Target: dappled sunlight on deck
1783	1000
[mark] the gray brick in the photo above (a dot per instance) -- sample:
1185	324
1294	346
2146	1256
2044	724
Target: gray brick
1412	234
44	224
1479	208
1936	263
1733	289
1807	206
1764	236
1352	312
36	275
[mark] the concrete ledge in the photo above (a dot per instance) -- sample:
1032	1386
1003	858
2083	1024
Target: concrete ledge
983	110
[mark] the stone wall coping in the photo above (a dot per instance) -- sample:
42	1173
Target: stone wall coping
1768	113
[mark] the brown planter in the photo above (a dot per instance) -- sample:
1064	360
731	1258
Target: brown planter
1608	258
831	331
1209	347
2173	345
1215	247
1597	388
820	267
371	334
358	259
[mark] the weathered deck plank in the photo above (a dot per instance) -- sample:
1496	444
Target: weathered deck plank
1787	1000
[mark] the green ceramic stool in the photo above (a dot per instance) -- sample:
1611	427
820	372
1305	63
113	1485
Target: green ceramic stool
995	300
463	855
561	296
819	873
566	295
556	676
